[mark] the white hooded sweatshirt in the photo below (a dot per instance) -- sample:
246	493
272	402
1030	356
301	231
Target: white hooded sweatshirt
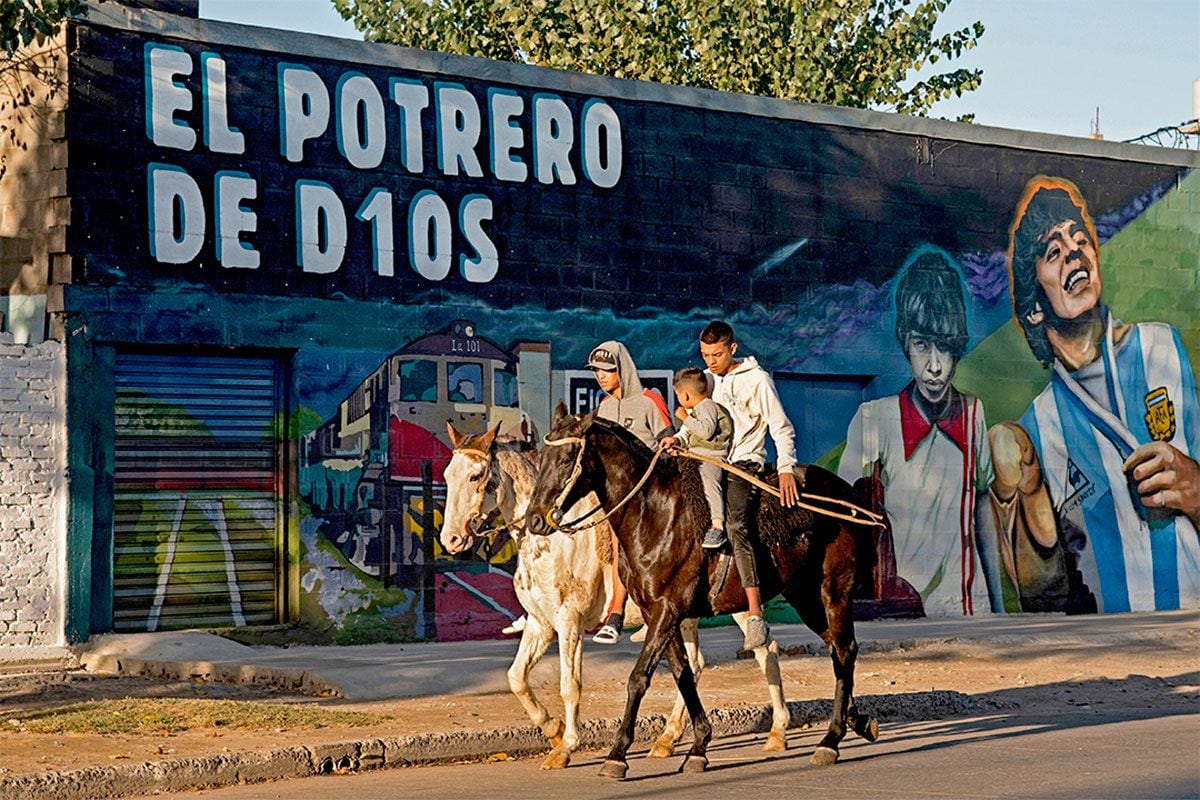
749	393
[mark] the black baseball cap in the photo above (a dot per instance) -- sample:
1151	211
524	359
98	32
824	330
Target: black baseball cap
602	358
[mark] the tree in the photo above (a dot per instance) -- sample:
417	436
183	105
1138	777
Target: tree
842	52
21	21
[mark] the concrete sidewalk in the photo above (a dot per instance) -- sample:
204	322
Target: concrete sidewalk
377	672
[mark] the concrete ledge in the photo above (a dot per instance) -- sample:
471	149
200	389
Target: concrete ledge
297	680
376	672
47	658
174	775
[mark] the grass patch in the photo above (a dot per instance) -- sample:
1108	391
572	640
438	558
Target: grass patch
174	715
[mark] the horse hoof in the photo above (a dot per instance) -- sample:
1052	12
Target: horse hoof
868	730
553	729
614	769
776	742
559	758
824	757
694	764
662	749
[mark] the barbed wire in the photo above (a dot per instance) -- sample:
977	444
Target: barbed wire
1178	136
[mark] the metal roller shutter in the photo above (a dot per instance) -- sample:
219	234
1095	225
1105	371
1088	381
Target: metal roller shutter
197	519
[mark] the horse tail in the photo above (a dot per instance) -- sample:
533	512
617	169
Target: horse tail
868	494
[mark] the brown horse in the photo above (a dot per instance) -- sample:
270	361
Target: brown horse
807	557
562	582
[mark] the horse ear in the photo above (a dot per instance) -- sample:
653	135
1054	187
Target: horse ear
560	411
455	437
485	442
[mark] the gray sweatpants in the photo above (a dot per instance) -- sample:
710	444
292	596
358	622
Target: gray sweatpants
712	477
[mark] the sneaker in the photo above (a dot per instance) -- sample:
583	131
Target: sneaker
714	539
611	631
758	633
516	626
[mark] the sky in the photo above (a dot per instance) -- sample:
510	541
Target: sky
1047	64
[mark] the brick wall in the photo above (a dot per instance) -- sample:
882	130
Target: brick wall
32	494
34	207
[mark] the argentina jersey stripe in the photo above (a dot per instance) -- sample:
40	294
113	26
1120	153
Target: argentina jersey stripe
1091	501
1141	368
1165	365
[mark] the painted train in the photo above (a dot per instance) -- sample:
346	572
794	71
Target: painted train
369	471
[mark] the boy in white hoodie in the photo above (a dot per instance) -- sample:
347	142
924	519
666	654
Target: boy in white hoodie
748	392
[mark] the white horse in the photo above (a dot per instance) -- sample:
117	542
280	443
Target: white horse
563	582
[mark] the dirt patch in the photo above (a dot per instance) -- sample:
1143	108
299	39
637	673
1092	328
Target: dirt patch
1016	679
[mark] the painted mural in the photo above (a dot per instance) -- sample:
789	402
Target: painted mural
960	540
927	444
371	479
1003	361
1097	490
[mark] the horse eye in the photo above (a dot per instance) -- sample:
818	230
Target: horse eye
476	478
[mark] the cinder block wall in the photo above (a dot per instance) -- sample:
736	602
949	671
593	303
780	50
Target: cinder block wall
32	495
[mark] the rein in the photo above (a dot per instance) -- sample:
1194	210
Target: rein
857	514
575	525
871	518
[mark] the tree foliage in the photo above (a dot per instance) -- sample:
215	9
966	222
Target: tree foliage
842	52
21	21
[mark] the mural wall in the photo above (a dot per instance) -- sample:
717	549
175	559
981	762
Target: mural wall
995	340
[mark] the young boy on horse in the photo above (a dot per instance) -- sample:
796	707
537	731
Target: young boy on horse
643	412
707	429
749	393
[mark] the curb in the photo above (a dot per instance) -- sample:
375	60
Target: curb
300	761
301	681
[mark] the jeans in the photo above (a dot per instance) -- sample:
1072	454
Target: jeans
741	507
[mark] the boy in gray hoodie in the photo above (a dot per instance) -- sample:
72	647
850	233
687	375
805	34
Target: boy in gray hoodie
643	412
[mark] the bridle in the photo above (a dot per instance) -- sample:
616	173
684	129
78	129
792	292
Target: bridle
488	533
577	524
555	509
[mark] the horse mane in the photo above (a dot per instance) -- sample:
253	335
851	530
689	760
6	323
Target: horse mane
634	444
509	444
779	526
509	453
515	445
695	519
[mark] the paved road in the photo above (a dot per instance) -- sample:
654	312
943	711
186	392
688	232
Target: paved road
1082	755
